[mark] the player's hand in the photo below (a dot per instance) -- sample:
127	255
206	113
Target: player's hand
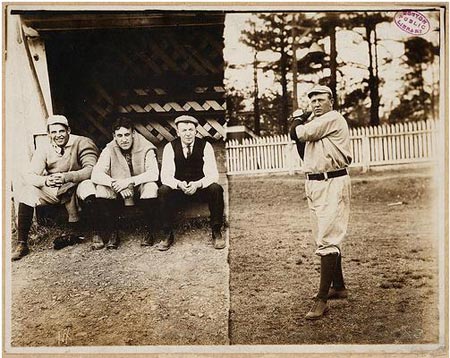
126	193
120	184
192	187
183	186
54	180
59	178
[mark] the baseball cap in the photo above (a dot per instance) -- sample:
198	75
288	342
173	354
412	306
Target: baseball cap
57	119
320	89
186	119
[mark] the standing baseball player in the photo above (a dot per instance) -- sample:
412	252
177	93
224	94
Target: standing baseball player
326	158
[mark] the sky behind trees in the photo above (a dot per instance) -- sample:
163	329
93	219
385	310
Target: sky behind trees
352	59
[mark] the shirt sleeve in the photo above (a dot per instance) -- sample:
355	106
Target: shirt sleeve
168	167
318	128
100	171
36	174
87	154
209	167
151	173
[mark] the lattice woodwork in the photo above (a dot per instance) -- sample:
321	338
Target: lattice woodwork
149	75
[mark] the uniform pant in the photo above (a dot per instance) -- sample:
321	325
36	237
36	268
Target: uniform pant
329	204
34	196
170	199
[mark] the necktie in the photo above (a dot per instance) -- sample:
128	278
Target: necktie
189	152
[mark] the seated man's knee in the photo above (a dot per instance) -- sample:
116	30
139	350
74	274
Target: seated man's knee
215	188
103	192
85	188
148	190
33	196
164	190
29	195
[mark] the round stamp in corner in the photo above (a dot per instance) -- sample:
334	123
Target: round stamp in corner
412	22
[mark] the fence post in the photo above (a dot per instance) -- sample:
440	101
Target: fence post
290	157
365	157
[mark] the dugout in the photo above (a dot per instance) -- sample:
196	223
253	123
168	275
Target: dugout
92	65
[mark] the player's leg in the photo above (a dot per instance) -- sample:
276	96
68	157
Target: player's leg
149	204
213	194
29	199
167	198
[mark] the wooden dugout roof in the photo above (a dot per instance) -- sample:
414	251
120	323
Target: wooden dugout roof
45	20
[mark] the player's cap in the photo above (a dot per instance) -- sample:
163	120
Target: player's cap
320	89
57	119
186	119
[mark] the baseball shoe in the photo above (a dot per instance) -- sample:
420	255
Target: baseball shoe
318	310
218	240
147	240
334	294
113	242
97	242
165	244
20	251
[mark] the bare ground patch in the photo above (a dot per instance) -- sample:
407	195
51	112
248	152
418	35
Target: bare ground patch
389	261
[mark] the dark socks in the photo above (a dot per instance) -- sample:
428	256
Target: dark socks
107	216
25	218
338	278
150	209
74	228
327	268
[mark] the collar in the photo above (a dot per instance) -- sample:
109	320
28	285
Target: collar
69	143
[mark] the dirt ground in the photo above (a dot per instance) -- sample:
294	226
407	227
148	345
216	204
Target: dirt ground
389	262
258	291
132	296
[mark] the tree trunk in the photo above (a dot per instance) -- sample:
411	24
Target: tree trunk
373	79
284	93
256	112
333	65
294	63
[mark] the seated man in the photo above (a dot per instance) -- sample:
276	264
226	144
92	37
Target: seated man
126	172
58	174
189	171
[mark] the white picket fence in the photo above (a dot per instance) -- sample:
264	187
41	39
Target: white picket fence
382	145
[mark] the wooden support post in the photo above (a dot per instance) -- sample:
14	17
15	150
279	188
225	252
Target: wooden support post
365	153
38	60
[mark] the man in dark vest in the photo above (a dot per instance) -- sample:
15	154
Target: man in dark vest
189	172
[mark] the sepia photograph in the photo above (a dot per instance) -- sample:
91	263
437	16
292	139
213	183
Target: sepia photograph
225	179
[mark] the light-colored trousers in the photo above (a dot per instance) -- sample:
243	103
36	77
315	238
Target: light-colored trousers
34	196
145	190
329	204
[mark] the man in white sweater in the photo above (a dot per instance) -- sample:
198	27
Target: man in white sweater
125	174
58	174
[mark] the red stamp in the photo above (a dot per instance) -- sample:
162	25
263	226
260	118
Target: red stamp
412	22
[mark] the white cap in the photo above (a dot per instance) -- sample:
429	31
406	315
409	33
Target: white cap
57	119
186	119
320	89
